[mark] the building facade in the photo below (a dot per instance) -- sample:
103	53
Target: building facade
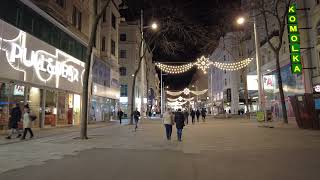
292	84
38	66
75	15
129	56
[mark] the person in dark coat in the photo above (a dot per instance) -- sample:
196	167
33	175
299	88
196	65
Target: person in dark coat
186	116
120	114
136	117
179	120
193	115
203	113
15	117
198	114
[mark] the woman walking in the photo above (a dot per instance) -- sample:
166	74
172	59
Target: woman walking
168	119
27	122
179	120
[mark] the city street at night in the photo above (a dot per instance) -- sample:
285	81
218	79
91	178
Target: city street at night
217	149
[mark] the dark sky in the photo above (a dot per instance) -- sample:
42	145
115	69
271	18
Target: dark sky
211	15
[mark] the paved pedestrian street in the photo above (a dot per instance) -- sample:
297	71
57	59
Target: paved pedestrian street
228	149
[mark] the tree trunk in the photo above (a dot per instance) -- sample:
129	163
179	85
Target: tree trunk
246	94
133	90
282	98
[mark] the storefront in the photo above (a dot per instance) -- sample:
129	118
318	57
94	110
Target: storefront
33	72
106	92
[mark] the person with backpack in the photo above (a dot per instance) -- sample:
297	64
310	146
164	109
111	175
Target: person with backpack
27	122
168	121
179	120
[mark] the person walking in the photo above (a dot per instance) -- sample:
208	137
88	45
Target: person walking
15	117
27	122
186	116
136	117
168	121
203	114
198	114
179	120
120	114
193	115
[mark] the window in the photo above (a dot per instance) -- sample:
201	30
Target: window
60	3
113	47
104	16
123	37
113	20
123	71
124	90
76	18
103	44
123	54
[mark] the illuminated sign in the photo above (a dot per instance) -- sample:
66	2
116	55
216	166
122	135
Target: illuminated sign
25	58
294	40
18	90
46	65
317	88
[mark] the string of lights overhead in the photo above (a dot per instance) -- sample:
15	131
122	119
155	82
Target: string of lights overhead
204	63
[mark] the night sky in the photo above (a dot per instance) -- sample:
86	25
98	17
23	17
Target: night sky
213	17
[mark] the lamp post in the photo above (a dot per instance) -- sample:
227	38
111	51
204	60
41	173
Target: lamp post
241	21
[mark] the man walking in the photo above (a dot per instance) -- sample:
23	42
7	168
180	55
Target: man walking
120	114
179	120
193	115
186	116
203	113
15	117
168	119
198	114
136	117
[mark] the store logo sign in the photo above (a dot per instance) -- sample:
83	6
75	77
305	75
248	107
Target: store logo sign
294	40
45	65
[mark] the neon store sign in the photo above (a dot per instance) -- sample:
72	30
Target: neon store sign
45	65
294	40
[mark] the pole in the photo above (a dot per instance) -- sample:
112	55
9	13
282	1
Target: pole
142	64
259	75
161	109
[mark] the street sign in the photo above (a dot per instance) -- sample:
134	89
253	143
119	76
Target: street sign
294	40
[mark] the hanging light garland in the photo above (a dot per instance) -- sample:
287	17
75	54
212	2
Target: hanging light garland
174	69
180	99
204	63
233	66
186	91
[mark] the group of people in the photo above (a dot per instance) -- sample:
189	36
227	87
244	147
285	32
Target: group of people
180	119
16	115
195	114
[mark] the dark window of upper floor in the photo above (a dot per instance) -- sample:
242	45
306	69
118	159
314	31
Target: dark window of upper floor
103	44
61	3
123	37
123	54
113	20
113	47
123	71
124	90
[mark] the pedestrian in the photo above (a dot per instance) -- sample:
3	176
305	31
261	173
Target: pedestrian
120	114
27	122
179	120
15	117
198	114
193	114
229	111
136	117
186	116
203	113
168	121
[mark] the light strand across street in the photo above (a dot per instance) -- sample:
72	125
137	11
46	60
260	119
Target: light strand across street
186	91
181	99
204	63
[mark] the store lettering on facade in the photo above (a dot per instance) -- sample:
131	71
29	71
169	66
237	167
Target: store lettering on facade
41	61
294	40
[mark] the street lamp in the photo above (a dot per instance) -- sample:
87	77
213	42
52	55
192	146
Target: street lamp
241	21
154	26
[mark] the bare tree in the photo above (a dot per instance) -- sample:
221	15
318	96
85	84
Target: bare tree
274	15
95	16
